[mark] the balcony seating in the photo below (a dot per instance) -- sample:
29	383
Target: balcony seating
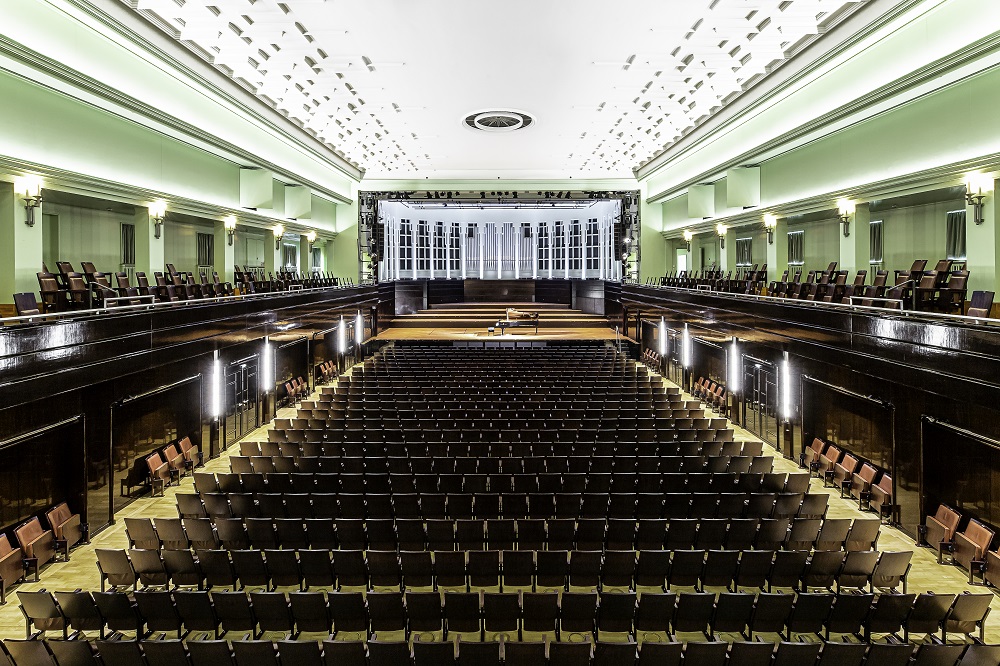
972	544
142	284
35	541
65	525
981	304
52	296
941	526
25	305
11	567
873	291
165	292
914	273
951	296
777	287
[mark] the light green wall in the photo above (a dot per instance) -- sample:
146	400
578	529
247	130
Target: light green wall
652	247
85	234
915	232
820	245
180	244
345	247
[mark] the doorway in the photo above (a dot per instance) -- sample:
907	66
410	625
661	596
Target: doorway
760	406
242	399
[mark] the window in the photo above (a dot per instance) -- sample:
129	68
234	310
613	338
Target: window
593	245
796	257
439	242
206	249
128	245
454	244
575	246
316	262
289	257
405	245
744	251
955	241
544	249
559	246
423	246
875	243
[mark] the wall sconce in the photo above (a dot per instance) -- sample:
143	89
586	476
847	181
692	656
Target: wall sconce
157	211
770	224
688	235
981	184
230	224
311	237
278	230
30	189
721	230
845	208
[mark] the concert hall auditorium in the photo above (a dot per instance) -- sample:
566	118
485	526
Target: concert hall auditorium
540	333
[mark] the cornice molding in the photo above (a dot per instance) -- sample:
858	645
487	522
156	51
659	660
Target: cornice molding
980	49
854	29
78	183
943	176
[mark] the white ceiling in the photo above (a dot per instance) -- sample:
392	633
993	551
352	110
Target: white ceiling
387	83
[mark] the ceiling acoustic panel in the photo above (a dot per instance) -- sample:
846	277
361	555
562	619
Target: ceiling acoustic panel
389	85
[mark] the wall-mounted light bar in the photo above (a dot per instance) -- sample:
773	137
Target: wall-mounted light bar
686	348
786	389
734	367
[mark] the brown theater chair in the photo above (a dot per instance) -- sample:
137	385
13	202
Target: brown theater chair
828	459
810	456
174	458
35	541
11	566
25	305
190	452
882	493
972	544
861	480
843	471
158	468
940	528
981	304
65	525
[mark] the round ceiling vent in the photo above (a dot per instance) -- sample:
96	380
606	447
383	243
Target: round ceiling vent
498	121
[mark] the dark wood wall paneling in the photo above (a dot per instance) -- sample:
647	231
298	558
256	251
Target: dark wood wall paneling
440	292
588	296
944	370
58	371
506	291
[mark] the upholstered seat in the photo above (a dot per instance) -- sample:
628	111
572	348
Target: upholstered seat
65	524
36	541
11	567
942	525
829	458
861	481
972	544
844	470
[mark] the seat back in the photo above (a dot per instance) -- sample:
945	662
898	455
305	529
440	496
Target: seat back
25	305
978	534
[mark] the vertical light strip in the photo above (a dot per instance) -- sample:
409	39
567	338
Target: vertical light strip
734	367
686	348
663	337
216	401
267	366
481	233
786	389
342	336
359	329
463	252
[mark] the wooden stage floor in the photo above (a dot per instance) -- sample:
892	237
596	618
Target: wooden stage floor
470	322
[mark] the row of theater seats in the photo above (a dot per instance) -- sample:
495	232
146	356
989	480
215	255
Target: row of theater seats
556	445
543	506
252	280
671	474
711	393
602	437
543	570
572	616
746	280
557	534
38	544
969	548
492	653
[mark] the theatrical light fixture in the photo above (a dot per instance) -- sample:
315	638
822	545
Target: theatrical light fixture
721	230
688	235
230	224
845	208
770	223
157	211
29	189
279	231
981	184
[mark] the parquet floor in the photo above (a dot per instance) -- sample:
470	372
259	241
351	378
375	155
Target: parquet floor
81	572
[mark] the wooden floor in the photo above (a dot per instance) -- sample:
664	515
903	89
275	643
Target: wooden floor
471	321
81	571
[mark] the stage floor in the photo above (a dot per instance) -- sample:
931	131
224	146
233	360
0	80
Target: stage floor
470	321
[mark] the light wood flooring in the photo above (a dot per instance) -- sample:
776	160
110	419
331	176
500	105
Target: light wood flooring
81	572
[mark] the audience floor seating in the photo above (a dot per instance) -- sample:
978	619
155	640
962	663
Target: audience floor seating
368	546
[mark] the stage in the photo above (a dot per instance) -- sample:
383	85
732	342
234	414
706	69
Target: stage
471	321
